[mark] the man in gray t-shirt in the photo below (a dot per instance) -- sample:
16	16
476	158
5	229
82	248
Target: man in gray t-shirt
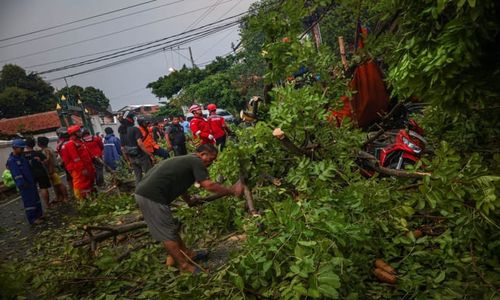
165	182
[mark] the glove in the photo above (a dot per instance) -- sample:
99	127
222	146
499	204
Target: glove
210	137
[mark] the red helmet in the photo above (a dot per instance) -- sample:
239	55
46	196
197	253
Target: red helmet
194	107
73	129
212	106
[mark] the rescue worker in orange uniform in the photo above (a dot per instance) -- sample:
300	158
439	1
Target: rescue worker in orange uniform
202	133
218	126
78	161
148	139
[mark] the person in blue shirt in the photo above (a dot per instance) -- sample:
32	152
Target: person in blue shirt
19	166
112	148
185	124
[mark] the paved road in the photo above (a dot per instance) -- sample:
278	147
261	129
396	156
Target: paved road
16	235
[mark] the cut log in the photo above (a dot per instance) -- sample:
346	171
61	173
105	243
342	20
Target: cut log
111	231
288	144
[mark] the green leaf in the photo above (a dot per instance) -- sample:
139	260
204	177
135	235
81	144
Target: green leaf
299	252
329	279
472	3
328	291
440	5
440	277
307	243
266	266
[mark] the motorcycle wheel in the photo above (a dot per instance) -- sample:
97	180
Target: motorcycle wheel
396	162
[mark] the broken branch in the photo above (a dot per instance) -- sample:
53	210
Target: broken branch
288	144
101	236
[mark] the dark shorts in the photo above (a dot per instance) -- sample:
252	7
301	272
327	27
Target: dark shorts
180	149
161	224
43	181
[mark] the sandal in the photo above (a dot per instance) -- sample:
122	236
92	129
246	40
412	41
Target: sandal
201	255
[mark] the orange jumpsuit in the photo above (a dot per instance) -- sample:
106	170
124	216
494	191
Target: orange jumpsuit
78	162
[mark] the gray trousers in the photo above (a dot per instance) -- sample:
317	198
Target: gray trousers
140	164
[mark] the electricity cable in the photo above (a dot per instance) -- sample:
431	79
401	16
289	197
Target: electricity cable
142	48
139	56
76	21
109	34
125	60
89	25
164	39
222	16
203	15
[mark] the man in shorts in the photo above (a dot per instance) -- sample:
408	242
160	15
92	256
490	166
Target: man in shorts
50	164
165	182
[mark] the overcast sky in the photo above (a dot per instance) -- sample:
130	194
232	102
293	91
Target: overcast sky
126	83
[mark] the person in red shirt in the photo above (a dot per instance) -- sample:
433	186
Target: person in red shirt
218	126
78	162
202	133
62	134
95	146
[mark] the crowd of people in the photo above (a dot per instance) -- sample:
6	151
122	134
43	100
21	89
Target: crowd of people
84	156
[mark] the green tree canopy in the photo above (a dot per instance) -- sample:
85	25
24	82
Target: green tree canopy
168	110
218	89
22	94
169	85
90	96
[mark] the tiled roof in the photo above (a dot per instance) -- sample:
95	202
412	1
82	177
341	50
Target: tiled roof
40	122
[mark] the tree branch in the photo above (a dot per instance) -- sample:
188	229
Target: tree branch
109	232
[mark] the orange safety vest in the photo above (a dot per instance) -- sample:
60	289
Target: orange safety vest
148	140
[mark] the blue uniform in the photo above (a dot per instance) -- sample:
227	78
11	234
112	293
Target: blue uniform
112	150
20	169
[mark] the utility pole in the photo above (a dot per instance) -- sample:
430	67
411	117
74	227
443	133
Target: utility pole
191	56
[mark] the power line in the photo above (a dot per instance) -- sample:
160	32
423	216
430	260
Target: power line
129	93
128	59
147	45
161	47
82	56
215	44
89	25
158	50
154	51
76	21
108	34
209	61
203	15
230	9
222	16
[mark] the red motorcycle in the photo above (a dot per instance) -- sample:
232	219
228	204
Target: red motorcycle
405	150
397	149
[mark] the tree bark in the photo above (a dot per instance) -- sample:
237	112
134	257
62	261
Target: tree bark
109	232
